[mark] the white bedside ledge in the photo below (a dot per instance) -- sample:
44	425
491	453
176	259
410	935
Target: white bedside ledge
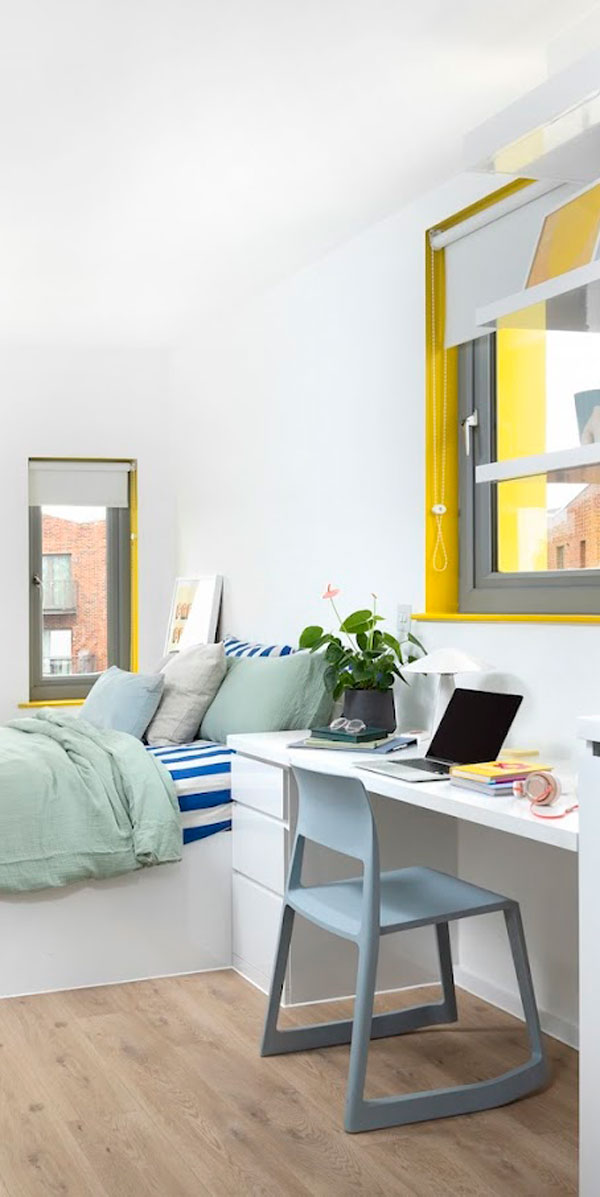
508	814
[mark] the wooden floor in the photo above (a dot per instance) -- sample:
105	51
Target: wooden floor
157	1088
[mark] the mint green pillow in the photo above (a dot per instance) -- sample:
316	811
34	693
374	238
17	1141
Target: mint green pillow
262	694
122	701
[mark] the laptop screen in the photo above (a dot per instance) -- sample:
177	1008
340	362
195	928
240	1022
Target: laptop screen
473	727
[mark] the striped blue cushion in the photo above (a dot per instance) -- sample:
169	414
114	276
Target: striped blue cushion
245	648
202	776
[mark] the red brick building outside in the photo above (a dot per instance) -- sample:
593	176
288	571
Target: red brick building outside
574	533
74	595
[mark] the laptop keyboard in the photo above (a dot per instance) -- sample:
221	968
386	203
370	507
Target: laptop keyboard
429	766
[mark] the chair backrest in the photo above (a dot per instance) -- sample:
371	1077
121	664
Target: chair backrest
335	812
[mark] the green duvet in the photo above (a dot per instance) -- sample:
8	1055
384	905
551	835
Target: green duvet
77	803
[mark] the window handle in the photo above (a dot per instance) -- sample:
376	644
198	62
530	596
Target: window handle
467	424
37	581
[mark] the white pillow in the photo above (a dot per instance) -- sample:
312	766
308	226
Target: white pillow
192	679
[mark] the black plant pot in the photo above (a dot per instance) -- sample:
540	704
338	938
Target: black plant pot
375	707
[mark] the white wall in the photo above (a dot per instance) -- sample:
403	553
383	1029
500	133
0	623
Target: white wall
75	401
301	461
300	456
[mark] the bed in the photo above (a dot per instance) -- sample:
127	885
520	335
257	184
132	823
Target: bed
172	919
151	922
201	772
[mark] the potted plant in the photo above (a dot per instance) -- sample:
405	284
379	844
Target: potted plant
363	662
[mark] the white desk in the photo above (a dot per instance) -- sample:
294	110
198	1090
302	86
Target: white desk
263	827
509	814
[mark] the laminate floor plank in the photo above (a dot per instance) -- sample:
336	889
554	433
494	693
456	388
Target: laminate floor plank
156	1089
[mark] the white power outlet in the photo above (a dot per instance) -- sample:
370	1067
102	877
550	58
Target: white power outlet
403	621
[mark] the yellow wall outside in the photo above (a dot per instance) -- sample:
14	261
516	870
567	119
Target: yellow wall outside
521	430
569	237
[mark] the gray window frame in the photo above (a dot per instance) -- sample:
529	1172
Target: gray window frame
118	563
482	588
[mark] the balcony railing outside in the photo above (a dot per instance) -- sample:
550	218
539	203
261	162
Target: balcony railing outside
59	595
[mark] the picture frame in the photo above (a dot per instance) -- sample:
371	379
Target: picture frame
194	613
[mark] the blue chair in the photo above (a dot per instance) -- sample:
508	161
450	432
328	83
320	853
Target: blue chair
336	812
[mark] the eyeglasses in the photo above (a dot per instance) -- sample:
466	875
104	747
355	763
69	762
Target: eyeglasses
352	726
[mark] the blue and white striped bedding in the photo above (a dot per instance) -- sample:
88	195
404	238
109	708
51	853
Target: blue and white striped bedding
246	648
202	775
202	771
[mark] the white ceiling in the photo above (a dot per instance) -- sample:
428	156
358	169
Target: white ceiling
159	158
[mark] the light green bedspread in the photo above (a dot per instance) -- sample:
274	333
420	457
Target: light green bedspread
77	803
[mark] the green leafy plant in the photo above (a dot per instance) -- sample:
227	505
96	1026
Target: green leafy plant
360	655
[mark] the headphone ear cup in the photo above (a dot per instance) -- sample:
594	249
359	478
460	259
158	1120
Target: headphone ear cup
542	788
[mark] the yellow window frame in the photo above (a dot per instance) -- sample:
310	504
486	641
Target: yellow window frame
441	387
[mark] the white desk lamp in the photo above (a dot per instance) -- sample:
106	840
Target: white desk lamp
446	662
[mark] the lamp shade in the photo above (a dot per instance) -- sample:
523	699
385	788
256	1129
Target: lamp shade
447	660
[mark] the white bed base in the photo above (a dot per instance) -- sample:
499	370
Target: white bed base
156	922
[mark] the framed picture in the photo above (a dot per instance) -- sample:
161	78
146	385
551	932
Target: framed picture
194	612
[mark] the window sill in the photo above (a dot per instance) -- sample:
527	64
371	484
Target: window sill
53	702
492	617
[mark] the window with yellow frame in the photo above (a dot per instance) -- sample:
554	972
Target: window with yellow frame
514	432
83	574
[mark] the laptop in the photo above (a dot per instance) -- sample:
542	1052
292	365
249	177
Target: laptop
473	728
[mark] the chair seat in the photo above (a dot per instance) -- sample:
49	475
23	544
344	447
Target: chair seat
410	897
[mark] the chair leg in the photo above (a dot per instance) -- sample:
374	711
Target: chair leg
450	1013
518	945
483	1095
362	1115
357	1109
336	1033
361	1031
272	1038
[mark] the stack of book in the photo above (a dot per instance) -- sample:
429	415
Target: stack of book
493	777
372	739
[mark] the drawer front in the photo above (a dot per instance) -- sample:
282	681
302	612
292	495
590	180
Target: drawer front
260	786
259	847
256	916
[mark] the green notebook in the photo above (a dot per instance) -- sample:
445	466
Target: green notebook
363	737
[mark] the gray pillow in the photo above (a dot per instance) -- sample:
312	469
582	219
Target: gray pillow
122	701
262	694
192	679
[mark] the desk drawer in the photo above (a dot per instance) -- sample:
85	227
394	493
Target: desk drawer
259	847
256	916
262	787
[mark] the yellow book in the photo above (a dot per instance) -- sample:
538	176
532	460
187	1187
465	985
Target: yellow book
492	771
518	754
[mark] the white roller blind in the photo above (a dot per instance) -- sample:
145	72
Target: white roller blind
78	483
492	262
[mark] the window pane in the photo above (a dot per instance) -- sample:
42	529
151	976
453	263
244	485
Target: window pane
74	596
547	398
549	522
547	390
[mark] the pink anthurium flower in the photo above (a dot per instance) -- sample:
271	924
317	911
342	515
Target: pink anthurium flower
359	655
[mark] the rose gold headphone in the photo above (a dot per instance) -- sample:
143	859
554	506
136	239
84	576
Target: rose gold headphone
541	789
